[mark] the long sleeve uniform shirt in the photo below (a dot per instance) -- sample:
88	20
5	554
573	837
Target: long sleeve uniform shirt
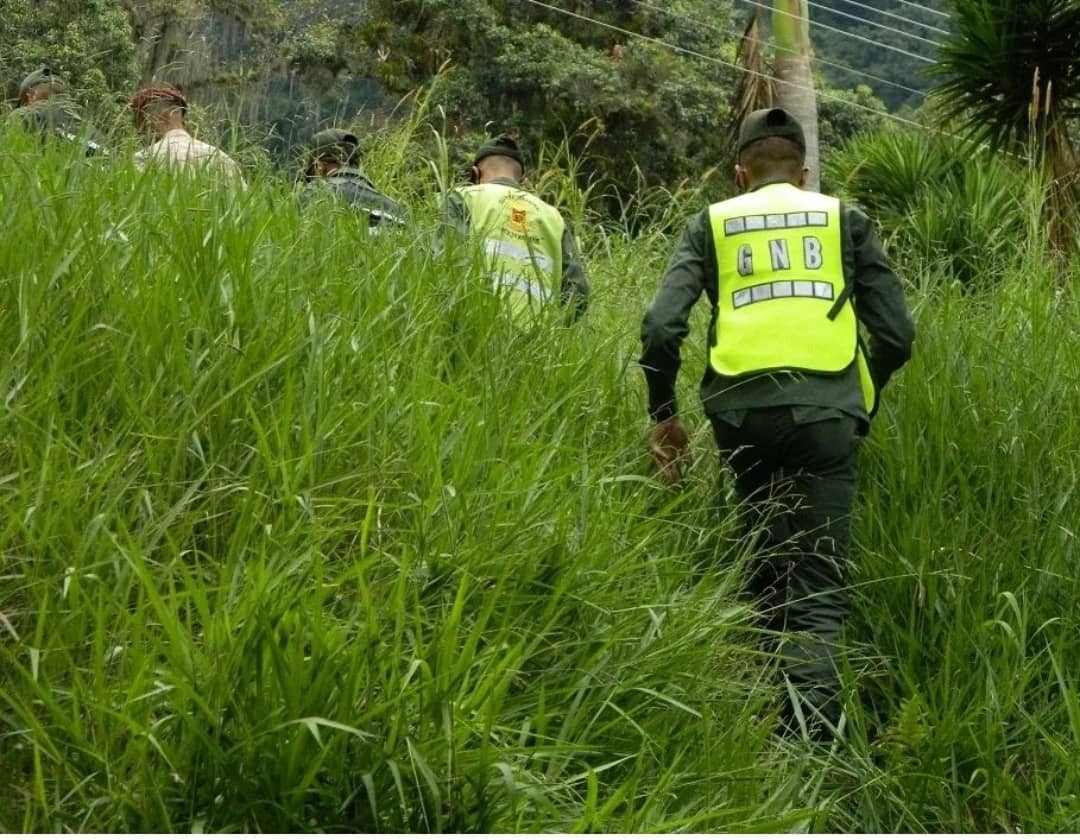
353	186
58	115
877	296
178	148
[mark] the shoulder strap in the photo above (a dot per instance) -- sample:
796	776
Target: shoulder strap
849	284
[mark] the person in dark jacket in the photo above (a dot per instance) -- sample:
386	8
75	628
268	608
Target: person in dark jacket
792	276
46	108
333	167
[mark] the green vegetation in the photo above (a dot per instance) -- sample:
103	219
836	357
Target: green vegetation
1010	78
91	42
1009	75
641	88
300	532
940	203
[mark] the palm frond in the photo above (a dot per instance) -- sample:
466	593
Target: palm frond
755	89
1003	57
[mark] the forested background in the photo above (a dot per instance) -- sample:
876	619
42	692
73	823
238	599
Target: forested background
661	102
892	44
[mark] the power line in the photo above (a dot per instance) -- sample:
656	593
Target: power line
868	22
926	9
909	54
818	59
912	21
715	60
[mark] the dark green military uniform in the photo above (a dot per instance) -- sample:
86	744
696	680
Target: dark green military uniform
57	116
528	242
879	303
348	181
350	184
790	439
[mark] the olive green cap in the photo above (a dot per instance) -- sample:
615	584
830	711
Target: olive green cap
771	122
38	77
335	144
502	145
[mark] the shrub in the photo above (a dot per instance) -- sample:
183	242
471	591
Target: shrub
938	202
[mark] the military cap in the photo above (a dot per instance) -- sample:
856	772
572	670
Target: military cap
502	145
39	77
334	144
771	122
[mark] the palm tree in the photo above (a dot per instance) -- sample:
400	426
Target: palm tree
753	88
790	85
1010	73
795	81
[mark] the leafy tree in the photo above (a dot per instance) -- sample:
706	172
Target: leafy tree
89	42
518	67
845	114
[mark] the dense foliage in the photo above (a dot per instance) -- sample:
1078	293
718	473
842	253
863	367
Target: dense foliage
641	90
939	202
1010	77
1011	69
524	68
91	42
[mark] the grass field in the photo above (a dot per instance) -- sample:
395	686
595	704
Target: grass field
300	532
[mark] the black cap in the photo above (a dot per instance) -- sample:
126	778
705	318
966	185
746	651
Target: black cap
335	144
502	145
39	77
771	122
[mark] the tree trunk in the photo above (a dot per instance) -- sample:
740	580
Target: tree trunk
795	85
1064	200
164	33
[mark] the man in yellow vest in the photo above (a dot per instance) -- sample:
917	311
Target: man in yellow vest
529	252
789	389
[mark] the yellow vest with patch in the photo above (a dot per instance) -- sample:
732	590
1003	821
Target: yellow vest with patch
522	241
781	303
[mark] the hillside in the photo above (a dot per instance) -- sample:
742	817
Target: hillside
644	89
884	38
884	44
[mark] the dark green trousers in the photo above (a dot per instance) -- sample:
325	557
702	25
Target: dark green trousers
795	473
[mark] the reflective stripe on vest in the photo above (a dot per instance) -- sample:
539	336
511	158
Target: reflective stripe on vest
522	238
778	251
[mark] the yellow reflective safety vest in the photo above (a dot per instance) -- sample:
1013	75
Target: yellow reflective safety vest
781	302
522	241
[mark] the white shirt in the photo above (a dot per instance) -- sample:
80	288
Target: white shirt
180	148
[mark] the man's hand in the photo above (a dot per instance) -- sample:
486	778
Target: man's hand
669	444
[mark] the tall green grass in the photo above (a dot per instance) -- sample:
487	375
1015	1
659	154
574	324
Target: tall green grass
302	532
968	551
